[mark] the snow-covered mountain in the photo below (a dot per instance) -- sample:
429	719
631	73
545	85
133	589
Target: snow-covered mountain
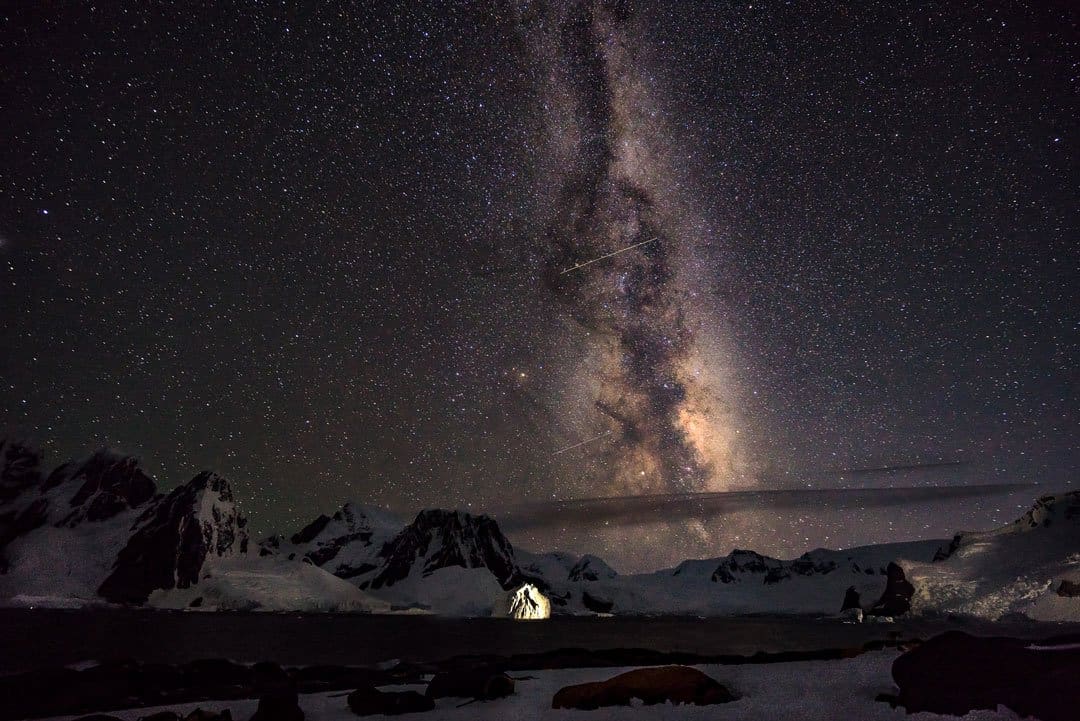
1029	567
172	539
449	562
741	582
346	544
60	534
99	531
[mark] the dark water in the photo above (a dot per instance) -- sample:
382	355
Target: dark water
35	638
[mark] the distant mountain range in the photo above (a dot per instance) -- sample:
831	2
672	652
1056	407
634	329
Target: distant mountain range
99	532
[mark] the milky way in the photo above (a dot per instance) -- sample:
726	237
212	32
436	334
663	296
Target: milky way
322	249
614	193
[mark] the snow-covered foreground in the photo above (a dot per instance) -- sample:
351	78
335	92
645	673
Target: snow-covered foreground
825	690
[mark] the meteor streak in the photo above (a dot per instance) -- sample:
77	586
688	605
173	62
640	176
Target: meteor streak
589	440
616	252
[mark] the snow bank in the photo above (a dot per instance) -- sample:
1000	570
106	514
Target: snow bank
247	583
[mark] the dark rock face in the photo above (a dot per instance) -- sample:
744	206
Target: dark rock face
278	699
20	472
441	539
773	570
101	487
596	605
742	561
674	684
896	598
368	700
942	553
307	533
723	575
1069	589
955	673
173	538
16	522
321	541
20	469
110	484
851	599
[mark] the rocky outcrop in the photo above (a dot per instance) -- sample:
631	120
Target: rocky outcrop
667	684
591	568
174	537
956	673
896	599
596	604
346	544
278	697
93	491
106	485
481	684
439	539
369	701
851	599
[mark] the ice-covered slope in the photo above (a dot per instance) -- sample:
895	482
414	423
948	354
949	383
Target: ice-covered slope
1027	567
252	583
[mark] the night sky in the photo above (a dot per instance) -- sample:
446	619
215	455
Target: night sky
344	254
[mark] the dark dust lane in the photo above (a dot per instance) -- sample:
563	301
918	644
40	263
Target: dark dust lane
35	638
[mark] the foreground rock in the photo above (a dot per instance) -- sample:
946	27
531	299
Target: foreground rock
674	684
480	684
278	700
955	673
368	701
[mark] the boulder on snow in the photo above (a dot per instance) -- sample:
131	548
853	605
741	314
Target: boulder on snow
278	700
480	683
524	603
955	673
201	715
368	700
674	684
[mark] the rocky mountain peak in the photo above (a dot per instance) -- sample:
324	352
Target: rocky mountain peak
439	538
174	537
103	486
